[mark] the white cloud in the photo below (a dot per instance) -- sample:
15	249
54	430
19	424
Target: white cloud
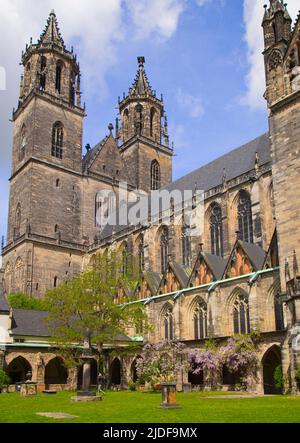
190	103
158	17
255	80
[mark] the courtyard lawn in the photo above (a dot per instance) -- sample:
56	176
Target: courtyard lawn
136	407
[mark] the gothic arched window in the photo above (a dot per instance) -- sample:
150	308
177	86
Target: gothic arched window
186	246
125	259
125	125
141	253
43	68
152	121
168	324
139	120
245	217
18	221
98	210
216	230
57	140
23	143
59	67
279	321
200	321
155	176
241	316
164	249
72	88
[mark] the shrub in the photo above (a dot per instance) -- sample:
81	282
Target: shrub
278	377
132	386
4	379
19	300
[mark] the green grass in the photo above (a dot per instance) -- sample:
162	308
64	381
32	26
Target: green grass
136	407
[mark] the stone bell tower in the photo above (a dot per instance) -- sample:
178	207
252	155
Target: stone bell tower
45	186
143	136
282	66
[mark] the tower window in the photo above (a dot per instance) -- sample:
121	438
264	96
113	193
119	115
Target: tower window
245	217
58	76
72	89
17	229
139	120
164	249
43	73
216	230
57	183
186	246
155	176
23	143
57	140
55	282
152	121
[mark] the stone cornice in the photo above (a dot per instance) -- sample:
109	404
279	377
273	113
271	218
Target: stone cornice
50	99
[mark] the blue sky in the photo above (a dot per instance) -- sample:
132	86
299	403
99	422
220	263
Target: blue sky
203	55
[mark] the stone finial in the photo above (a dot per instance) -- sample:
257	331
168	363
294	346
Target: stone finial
110	128
295	264
141	61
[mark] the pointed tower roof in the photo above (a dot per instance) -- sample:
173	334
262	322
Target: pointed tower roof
141	85
50	39
275	6
141	88
51	33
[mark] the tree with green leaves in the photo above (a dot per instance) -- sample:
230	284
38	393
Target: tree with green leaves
99	301
18	300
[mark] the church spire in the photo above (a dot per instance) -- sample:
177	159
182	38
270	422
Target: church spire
141	86
51	34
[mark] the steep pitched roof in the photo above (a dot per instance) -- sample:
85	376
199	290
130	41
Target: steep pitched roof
141	85
215	264
153	279
255	254
4	306
91	155
105	159
181	272
51	33
236	163
30	323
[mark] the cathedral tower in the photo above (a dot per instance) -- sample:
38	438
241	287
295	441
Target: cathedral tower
45	187
143	138
282	65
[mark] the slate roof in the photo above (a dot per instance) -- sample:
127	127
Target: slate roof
183	273
236	163
91	155
153	279
255	253
30	323
4	306
216	264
